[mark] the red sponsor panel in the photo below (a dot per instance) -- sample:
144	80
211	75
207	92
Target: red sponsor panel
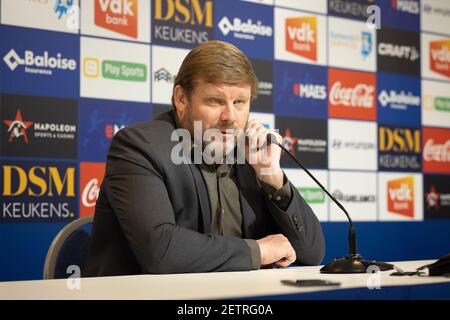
91	177
436	150
352	94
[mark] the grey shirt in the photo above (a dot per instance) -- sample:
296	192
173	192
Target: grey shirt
226	216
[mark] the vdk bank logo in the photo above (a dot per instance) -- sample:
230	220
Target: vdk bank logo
43	63
115	70
301	37
38	193
400	196
440	57
244	30
119	16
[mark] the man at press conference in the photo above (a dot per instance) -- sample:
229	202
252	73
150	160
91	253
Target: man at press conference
155	215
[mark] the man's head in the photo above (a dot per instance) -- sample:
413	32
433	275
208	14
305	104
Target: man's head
215	84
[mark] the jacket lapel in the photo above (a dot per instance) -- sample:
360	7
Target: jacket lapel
248	196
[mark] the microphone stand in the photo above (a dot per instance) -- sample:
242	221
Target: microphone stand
353	262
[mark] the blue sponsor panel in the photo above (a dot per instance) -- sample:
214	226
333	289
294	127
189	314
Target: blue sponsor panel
250	28
401	14
39	62
100	120
39	192
300	90
398	99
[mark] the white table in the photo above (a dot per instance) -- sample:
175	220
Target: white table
204	285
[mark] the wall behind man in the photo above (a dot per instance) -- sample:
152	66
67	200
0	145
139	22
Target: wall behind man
367	109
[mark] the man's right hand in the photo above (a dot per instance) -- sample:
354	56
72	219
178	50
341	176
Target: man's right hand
277	249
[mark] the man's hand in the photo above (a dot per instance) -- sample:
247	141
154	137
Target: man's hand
265	161
277	249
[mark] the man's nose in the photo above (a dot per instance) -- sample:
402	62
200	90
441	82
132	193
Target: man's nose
228	114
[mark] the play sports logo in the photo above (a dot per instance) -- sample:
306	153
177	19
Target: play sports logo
119	16
43	63
301	37
115	70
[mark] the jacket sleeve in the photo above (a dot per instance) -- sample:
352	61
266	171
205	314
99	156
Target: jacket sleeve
300	225
141	203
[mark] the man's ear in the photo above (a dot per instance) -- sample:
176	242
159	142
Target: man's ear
180	99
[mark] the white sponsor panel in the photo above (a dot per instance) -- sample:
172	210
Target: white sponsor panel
352	145
114	70
400	196
300	37
48	15
118	19
435	104
435	56
266	119
319	6
268	2
310	191
351	44
166	62
357	192
435	16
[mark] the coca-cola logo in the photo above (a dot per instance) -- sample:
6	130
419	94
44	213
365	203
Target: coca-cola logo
90	193
437	152
359	96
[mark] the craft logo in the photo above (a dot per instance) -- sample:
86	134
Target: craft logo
400	196
407	6
436	150
115	70
309	91
301	37
163	75
312	195
440	57
43	63
91	177
410	53
119	16
248	29
352	94
38	193
398	100
399	148
183	22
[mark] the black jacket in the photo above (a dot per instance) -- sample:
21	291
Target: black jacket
153	216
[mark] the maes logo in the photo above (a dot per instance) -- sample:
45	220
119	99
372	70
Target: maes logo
120	16
17	127
407	6
38	64
38	192
400	196
440	57
301	37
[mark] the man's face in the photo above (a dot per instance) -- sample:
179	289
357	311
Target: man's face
218	106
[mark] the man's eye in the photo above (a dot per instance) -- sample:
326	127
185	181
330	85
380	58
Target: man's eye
239	102
214	101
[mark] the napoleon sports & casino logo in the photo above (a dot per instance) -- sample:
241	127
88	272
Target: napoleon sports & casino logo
184	22
400	196
440	57
120	16
301	37
38	192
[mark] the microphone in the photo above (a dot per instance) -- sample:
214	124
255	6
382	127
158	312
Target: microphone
353	262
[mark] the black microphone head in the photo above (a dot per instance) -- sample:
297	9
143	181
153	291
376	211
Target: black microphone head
271	138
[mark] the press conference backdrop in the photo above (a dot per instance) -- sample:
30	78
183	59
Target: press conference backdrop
368	110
